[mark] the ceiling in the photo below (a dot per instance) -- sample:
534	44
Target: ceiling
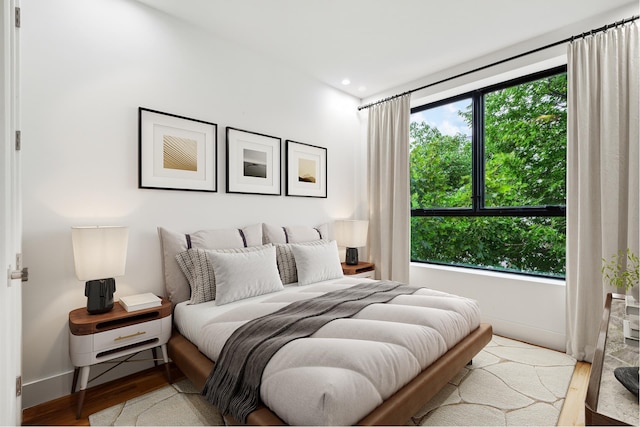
380	44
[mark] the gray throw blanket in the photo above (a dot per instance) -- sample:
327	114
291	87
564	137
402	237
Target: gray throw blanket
233	385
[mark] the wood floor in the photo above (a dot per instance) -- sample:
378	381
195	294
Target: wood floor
62	411
572	413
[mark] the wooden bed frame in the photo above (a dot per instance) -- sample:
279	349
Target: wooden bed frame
396	410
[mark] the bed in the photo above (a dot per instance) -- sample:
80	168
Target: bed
396	363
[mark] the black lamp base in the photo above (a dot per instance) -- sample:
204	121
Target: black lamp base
99	295
351	257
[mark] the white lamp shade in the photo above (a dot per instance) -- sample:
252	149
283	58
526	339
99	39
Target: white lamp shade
351	233
99	252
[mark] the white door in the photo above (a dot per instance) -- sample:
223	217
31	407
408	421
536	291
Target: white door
10	224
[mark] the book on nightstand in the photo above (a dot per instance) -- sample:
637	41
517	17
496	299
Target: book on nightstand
140	301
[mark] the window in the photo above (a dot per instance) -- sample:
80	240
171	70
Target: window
488	177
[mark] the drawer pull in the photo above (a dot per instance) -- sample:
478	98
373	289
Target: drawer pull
130	336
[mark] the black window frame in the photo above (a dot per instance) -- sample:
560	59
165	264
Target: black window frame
478	207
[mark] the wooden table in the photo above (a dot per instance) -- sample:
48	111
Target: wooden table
608	402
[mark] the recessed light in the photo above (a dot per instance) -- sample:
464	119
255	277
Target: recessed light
346	82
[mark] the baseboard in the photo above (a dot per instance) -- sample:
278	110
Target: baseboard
528	334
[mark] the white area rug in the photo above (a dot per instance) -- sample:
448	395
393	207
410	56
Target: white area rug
509	384
179	404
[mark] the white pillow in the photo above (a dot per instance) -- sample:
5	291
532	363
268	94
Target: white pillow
172	243
243	275
317	263
294	234
198	270
299	234
286	261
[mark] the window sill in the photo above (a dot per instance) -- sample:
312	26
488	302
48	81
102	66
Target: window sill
488	273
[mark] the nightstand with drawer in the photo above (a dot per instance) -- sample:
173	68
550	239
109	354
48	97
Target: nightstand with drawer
97	338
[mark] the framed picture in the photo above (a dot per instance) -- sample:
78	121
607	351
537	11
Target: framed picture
176	153
253	163
306	170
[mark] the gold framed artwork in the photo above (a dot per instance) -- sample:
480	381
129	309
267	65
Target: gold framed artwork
306	170
253	163
175	152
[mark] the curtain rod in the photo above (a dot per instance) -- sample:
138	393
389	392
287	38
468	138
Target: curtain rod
520	55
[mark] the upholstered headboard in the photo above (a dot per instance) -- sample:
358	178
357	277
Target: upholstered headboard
172	243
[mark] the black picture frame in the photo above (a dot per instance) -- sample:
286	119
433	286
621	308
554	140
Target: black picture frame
306	170
176	152
253	163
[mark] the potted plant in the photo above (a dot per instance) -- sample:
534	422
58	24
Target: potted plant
621	271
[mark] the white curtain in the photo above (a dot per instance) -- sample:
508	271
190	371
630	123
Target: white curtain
389	199
602	172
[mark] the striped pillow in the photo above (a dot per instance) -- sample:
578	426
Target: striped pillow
286	261
197	268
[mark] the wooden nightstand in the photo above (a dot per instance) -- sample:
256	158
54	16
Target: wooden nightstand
362	269
97	338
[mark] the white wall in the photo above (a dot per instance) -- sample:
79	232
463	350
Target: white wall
520	307
87	67
524	65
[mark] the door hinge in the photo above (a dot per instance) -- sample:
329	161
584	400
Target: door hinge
20	272
17	17
18	140
19	386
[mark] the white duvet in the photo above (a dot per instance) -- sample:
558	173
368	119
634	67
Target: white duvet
349	366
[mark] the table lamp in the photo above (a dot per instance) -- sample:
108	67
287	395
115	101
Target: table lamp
352	234
100	253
